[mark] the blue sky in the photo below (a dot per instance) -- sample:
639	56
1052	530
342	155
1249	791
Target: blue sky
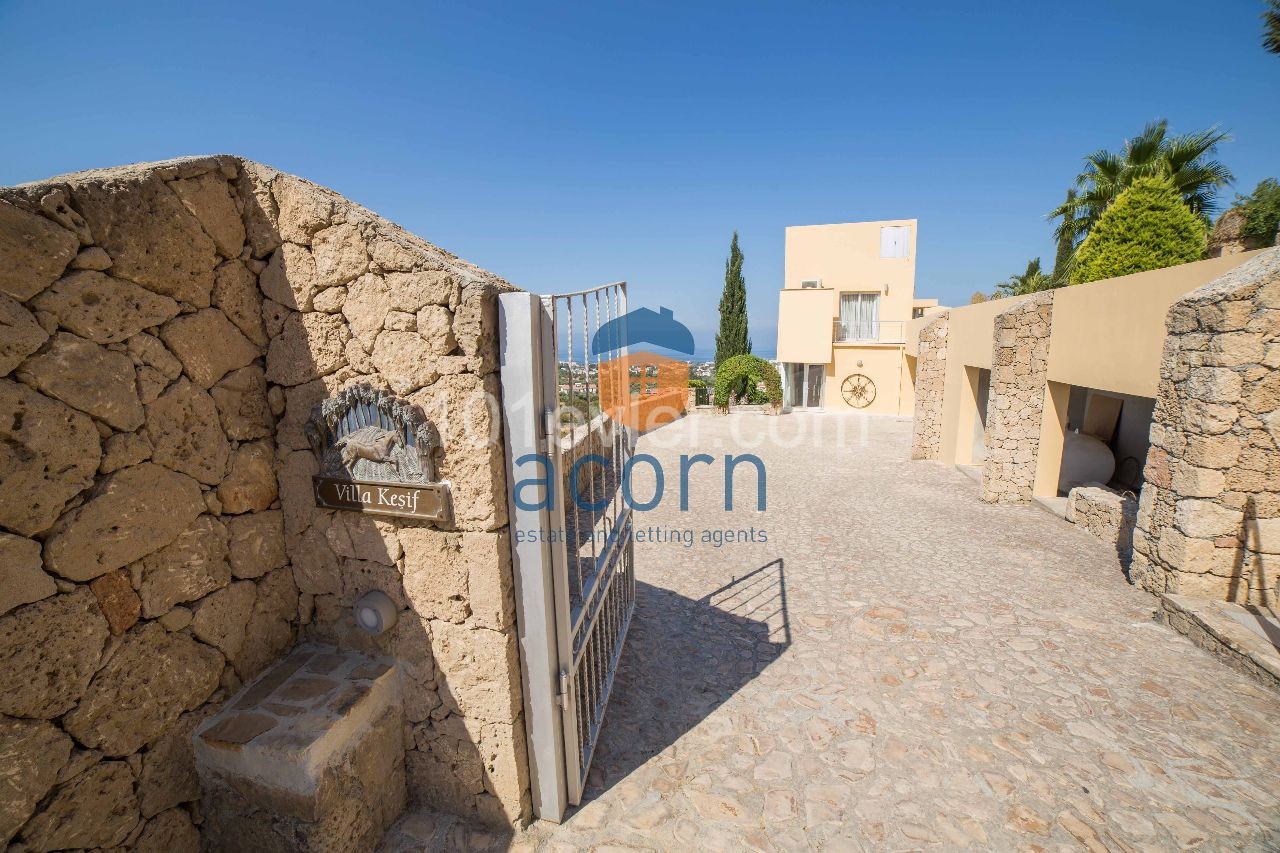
563	145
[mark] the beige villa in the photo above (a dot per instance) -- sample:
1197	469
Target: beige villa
848	296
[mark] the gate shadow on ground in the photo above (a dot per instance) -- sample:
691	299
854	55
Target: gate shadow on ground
683	659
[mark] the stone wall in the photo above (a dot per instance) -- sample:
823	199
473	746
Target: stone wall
1227	237
1209	516
1019	367
931	381
164	332
1106	514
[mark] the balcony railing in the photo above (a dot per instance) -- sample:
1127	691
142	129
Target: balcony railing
878	331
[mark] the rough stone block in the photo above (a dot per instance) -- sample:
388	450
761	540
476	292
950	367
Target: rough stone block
250	484
117	600
36	251
85	376
290	277
20	334
256	543
22	576
309	756
1205	519
96	809
132	513
168	777
209	199
184	430
151	237
309	346
241	398
152	678
32	752
208	345
104	309
48	452
190	567
304	208
236	294
170	832
340	255
51	649
435	573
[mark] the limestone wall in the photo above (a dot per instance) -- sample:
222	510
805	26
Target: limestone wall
164	332
1209	516
1019	368
1106	514
931	381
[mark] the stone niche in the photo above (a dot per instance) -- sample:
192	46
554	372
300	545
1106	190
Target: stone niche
1209	515
165	330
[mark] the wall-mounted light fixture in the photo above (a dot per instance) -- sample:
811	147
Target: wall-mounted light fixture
886	288
375	612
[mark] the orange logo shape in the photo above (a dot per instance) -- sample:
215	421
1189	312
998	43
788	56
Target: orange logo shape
643	390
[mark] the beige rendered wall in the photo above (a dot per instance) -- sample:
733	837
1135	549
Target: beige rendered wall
804	325
1109	334
970	332
846	258
883	365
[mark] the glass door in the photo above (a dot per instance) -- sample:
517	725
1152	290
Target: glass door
815	374
802	385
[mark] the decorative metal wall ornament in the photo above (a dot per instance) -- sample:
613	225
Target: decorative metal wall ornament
375	454
858	390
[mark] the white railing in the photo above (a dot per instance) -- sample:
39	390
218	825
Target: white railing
877	331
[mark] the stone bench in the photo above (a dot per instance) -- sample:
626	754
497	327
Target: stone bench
309	756
1106	514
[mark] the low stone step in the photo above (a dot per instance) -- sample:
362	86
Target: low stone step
309	756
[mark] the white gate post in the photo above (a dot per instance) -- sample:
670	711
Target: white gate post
521	323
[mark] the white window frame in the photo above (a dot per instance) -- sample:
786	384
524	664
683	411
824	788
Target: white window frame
896	238
860	323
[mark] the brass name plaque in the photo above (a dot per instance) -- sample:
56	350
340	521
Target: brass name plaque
430	501
377	455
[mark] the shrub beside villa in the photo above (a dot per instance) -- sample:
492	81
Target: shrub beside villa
764	385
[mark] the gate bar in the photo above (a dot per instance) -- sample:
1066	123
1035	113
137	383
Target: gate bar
521	322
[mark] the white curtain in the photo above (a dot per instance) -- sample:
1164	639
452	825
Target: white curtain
860	316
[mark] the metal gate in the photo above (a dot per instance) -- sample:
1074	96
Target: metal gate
571	539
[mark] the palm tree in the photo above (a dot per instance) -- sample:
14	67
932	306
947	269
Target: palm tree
1271	27
1185	159
1032	280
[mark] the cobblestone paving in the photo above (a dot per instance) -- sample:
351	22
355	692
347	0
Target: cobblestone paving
900	667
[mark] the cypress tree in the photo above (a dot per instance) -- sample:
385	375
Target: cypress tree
733	338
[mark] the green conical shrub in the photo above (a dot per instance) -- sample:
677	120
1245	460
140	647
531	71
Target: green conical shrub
1147	227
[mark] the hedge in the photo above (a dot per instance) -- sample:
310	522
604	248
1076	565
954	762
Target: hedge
757	372
1147	227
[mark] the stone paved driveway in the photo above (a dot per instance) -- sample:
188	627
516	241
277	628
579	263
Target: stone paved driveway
903	667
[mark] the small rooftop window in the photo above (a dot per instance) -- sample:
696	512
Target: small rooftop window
894	240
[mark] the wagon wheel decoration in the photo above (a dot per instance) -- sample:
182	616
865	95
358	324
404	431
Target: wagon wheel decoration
858	390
